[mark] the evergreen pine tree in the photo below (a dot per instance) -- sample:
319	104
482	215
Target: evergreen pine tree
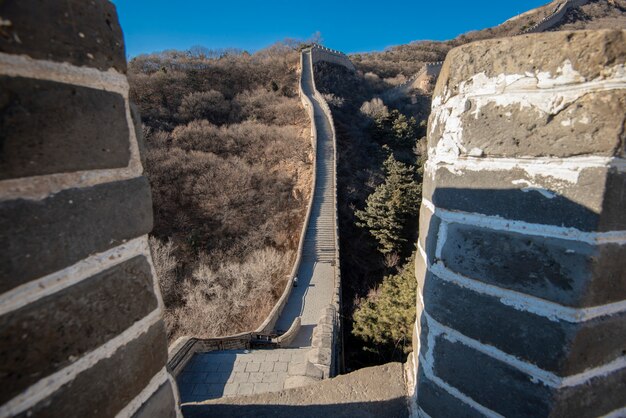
390	206
384	319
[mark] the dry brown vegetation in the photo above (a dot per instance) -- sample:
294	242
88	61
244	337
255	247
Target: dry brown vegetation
229	158
400	62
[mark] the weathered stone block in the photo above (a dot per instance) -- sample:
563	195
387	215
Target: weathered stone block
567	272
592	125
48	127
60	328
47	235
598	396
306	368
91	36
560	347
491	383
108	386
512	393
161	404
589	52
319	355
437	402
517	195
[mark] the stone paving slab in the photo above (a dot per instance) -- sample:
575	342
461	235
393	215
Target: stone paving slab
236	372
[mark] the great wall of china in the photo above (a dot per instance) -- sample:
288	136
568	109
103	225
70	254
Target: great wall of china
303	328
522	303
81	311
554	17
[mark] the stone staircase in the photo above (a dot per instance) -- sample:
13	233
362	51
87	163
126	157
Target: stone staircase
241	369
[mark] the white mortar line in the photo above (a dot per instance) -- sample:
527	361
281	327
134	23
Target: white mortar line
525	302
174	385
454	392
62	72
536	373
422	252
422	414
547	231
618	413
544	167
581	88
50	384
442	236
55	282
133	406
507	163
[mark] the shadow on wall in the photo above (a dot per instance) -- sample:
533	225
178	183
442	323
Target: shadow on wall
506	280
393	408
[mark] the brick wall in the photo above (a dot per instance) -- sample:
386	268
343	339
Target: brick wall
522	274
321	53
80	309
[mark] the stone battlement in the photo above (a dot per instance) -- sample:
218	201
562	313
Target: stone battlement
522	304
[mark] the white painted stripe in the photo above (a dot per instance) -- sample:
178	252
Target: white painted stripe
50	384
549	231
618	413
457	393
422	252
536	373
422	414
524	302
62	72
133	406
179	414
55	282
566	169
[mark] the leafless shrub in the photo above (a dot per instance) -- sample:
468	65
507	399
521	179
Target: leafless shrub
165	264
375	109
233	298
229	161
204	105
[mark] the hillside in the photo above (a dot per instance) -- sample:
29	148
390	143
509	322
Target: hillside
396	63
357	100
229	162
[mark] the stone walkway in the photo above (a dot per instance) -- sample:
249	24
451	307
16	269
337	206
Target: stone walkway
238	372
227	373
316	275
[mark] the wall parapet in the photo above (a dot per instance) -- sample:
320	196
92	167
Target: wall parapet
522	222
337	347
321	53
191	345
81	311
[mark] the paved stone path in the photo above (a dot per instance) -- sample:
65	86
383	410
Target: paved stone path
227	373
316	275
237	372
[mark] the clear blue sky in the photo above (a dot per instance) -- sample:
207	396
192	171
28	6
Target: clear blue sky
350	26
